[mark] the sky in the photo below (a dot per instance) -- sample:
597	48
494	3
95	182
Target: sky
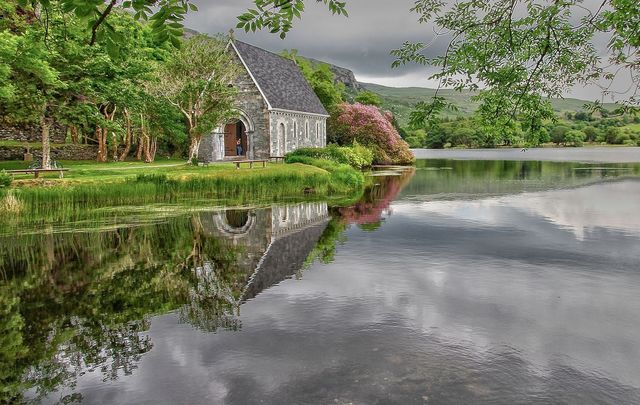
361	42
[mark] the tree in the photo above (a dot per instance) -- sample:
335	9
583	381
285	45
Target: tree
574	137
32	85
371	128
558	133
367	97
591	133
197	80
320	78
165	18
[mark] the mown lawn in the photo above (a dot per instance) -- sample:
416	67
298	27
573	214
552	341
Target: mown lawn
86	172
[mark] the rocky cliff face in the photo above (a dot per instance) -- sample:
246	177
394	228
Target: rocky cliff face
343	75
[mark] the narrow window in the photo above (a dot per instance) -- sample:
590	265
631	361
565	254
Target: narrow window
306	130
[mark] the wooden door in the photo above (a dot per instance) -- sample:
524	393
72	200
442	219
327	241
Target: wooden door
230	140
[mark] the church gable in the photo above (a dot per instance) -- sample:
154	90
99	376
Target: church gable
279	79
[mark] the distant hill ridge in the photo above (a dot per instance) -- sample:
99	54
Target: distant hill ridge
401	100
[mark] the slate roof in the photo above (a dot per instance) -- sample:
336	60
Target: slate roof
280	80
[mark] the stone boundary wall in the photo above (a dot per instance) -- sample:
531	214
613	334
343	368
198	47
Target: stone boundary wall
31	133
60	152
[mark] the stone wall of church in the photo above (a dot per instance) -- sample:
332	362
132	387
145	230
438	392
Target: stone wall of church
290	131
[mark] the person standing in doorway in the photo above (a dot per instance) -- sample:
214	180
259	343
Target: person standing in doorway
239	151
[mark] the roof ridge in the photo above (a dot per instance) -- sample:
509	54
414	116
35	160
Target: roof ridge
266	50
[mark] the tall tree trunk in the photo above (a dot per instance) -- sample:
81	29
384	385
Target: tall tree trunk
104	133
140	148
45	125
115	146
101	137
151	146
74	134
193	147
128	137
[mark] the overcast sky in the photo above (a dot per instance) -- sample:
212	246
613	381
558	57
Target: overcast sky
360	42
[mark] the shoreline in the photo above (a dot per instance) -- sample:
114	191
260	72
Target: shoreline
629	154
93	188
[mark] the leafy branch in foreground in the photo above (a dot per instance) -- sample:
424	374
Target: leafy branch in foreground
165	17
277	15
518	53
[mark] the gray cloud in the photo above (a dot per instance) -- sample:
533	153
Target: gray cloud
361	42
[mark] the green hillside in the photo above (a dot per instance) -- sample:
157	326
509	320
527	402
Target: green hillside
401	100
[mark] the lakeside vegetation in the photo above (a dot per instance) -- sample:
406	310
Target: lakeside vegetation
571	129
97	186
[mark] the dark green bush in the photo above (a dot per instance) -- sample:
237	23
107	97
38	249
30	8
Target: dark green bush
356	156
574	137
343	176
159	179
5	179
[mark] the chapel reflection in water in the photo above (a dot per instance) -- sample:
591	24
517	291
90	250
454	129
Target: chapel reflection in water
73	302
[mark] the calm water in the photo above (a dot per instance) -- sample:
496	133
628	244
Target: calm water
586	154
458	282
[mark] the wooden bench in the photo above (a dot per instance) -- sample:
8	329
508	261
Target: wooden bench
276	158
250	162
36	172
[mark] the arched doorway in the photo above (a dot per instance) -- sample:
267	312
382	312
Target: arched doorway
282	139
232	133
237	218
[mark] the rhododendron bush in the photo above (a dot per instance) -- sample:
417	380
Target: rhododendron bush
371	128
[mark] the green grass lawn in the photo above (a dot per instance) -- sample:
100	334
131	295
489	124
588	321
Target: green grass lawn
84	171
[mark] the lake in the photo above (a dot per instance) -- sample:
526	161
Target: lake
457	281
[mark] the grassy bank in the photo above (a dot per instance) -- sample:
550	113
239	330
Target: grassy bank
89	185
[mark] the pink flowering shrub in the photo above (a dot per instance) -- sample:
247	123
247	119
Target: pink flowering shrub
371	128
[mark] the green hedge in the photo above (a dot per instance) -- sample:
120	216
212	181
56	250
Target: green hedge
356	156
344	178
5	179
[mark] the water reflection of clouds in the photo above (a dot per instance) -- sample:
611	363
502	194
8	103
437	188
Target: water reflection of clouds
579	210
498	300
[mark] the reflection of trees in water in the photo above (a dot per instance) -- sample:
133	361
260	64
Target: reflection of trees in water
72	302
367	213
444	179
372	207
77	302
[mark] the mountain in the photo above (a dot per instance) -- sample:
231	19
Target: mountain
401	100
342	75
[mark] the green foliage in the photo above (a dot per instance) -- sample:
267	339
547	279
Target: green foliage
574	137
368	126
416	138
356	156
591	133
320	78
367	97
558	133
164	19
277	16
344	178
112	189
5	179
196	80
522	52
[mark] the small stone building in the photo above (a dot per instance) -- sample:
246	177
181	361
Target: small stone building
277	110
